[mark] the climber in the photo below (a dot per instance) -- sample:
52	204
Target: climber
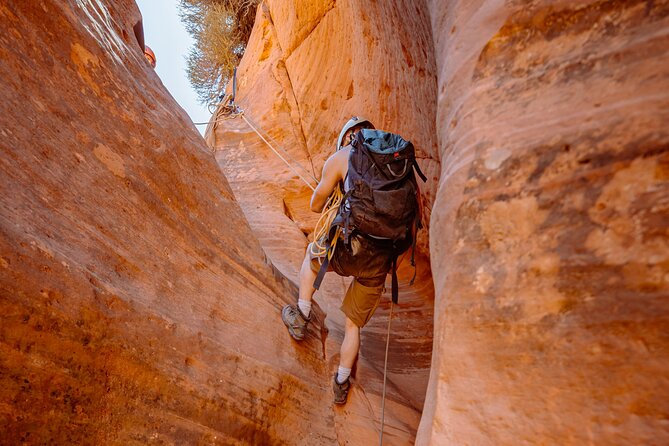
150	56
366	253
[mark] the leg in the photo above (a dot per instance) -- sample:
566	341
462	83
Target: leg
358	306
348	352
296	317
350	345
307	277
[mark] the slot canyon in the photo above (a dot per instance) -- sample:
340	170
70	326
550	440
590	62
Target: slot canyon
143	267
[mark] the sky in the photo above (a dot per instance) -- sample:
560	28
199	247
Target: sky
166	35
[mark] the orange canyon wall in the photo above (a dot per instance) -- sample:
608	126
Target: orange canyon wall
138	305
547	198
134	297
550	230
307	69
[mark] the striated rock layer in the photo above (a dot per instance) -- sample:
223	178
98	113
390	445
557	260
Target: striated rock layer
307	69
137	305
548	228
134	298
549	235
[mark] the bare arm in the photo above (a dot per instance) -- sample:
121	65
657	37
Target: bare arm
333	172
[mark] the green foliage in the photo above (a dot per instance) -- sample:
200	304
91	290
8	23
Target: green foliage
221	29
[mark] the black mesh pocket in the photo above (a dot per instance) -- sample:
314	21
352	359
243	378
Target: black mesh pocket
391	203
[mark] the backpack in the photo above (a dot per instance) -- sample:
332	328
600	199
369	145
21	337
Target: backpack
382	202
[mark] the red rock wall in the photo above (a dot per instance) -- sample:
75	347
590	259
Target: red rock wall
136	302
549	235
134	298
307	69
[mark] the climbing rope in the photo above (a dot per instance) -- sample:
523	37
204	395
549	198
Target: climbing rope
319	247
277	152
269	137
227	109
385	374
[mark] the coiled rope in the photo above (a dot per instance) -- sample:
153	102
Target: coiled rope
319	246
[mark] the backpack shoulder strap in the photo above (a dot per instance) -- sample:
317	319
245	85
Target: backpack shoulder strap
418	171
395	287
323	269
329	247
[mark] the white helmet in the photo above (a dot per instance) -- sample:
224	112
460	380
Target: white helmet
353	122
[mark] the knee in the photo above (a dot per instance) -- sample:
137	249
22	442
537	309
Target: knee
306	263
351	327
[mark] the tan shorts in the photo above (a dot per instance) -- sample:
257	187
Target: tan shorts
369	265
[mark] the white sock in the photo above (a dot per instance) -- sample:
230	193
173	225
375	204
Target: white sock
305	306
342	374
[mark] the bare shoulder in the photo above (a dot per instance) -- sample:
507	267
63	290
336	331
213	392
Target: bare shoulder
338	162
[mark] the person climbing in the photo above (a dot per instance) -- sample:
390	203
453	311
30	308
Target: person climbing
376	221
150	56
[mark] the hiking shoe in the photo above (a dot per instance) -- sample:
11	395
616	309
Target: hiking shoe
295	321
340	390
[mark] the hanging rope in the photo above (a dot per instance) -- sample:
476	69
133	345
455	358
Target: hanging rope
227	109
385	374
306	171
278	154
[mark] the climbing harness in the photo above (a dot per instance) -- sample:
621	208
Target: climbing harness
385	374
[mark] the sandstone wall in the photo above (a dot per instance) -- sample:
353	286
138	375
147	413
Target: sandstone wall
134	298
549	235
128	270
309	67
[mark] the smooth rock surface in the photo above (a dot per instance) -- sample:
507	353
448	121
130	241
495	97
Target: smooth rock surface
134	298
305	72
137	305
550	232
